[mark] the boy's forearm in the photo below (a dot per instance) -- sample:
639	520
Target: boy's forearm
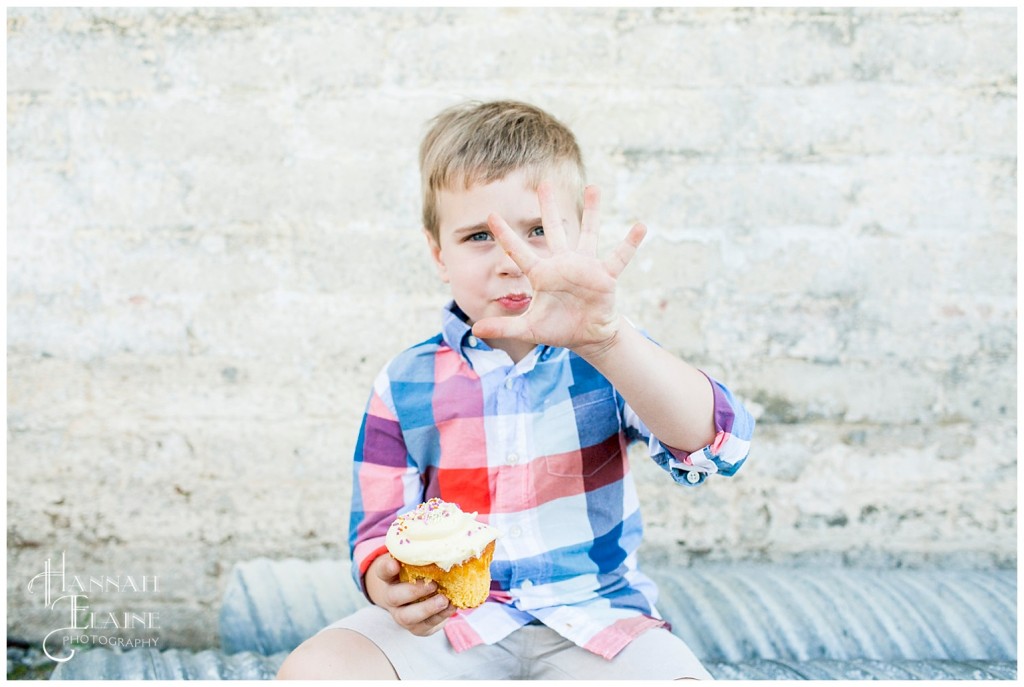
674	399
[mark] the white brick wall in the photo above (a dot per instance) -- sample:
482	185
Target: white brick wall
213	247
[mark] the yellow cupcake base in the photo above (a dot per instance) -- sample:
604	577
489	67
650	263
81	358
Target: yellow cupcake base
466	585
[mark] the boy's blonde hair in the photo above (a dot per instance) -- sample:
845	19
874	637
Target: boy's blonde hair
484	142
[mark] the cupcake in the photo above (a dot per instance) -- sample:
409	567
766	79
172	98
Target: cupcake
437	541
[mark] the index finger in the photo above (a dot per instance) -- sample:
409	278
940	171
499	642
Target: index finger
407	593
516	248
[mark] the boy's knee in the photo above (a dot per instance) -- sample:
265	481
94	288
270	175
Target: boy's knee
306	661
337	655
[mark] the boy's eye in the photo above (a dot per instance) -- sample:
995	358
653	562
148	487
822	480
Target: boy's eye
537	231
479	236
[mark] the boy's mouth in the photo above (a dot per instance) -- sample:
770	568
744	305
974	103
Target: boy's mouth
515	302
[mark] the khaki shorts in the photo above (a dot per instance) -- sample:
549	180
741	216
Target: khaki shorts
533	652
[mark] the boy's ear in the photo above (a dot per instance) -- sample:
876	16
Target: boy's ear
435	254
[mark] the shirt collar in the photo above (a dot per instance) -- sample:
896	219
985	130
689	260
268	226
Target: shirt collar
455	329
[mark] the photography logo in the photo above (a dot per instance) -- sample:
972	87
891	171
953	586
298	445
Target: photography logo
68	597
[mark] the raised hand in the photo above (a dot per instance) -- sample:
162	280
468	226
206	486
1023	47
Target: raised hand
573	303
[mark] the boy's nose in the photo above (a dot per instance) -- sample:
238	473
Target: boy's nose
507	266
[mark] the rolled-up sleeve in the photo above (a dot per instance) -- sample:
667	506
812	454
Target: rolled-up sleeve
734	429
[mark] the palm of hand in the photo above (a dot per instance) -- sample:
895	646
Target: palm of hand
573	302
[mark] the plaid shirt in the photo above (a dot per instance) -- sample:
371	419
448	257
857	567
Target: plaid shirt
538	449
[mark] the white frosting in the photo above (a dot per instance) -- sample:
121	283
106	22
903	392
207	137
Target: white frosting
440	533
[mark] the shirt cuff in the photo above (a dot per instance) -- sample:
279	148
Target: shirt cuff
725	453
374	548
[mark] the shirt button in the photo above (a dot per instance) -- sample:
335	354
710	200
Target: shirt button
509	383
515	531
512	459
526	584
693	477
472	341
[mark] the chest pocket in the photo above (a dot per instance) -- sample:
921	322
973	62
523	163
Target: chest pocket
582	439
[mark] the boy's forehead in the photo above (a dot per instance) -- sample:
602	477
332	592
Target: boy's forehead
515	181
514	199
472	179
555	172
464	202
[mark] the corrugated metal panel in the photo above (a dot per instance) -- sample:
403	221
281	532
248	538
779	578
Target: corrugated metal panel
728	613
171	664
822	669
736	613
271	606
150	664
744	621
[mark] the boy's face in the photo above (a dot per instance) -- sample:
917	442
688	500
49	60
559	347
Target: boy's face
485	282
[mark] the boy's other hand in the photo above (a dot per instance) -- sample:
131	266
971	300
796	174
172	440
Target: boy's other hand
573	303
415	606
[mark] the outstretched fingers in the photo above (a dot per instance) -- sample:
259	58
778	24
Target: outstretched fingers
554	232
590	225
624	252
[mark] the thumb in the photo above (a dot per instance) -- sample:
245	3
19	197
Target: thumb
502	328
386	568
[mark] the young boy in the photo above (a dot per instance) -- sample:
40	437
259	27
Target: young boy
521	409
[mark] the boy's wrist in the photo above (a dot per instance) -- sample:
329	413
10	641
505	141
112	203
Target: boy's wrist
600	351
